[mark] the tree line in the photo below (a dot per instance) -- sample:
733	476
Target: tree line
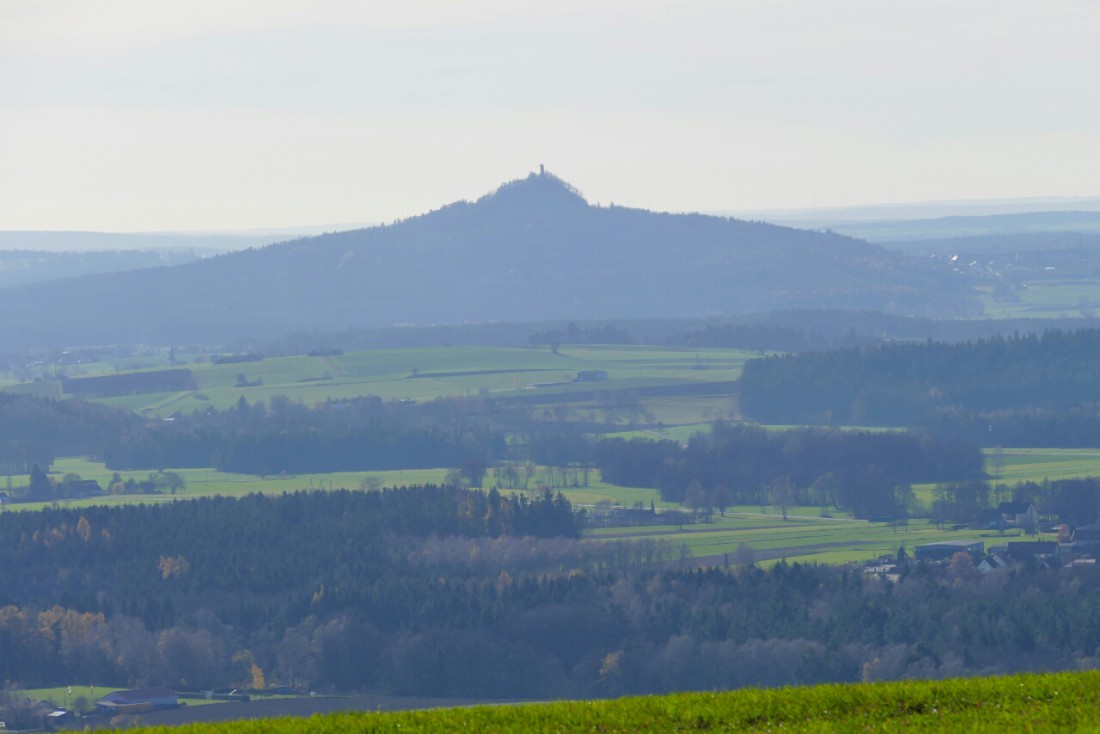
866	473
1075	426
819	330
574	334
1075	502
911	384
260	438
34	430
337	435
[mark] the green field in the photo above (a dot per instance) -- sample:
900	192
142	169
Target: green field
59	695
1012	465
428	373
1057	702
1035	465
209	482
1045	299
839	539
805	535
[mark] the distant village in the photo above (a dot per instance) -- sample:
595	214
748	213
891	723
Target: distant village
1073	546
20	713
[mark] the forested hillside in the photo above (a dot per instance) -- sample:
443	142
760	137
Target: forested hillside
937	385
533	250
825	329
443	592
19	267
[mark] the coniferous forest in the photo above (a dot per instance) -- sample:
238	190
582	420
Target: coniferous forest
437	591
859	471
1030	390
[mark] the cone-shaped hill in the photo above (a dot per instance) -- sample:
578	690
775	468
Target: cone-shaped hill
532	250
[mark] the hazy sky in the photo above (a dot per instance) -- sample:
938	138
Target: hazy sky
131	115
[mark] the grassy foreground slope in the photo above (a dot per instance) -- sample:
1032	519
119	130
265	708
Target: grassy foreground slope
1051	702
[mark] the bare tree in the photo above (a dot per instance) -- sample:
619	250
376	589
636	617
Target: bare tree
782	492
696	497
720	497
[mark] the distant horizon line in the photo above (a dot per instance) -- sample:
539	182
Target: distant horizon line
1048	204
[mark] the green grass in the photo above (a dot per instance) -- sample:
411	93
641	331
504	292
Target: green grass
58	695
804	536
1029	465
209	482
1035	465
445	371
1044	299
1057	702
834	540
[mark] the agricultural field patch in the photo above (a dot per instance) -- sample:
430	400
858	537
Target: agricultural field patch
1009	466
801	537
1069	298
209	482
60	696
1034	465
428	373
807	534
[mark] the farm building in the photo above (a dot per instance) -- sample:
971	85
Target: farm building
1007	515
1032	549
992	562
80	489
138	700
591	376
945	549
1019	514
1086	539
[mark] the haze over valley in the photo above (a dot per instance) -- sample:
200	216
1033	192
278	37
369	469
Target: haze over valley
359	357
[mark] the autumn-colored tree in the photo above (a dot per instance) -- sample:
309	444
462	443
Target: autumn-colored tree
84	528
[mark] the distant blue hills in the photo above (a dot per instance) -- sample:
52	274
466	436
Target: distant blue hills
533	250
